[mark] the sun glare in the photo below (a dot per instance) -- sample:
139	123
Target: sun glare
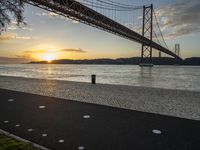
48	57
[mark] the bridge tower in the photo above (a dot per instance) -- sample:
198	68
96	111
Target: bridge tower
177	49
147	31
159	54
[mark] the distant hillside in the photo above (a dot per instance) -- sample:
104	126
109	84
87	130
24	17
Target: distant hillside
126	61
194	61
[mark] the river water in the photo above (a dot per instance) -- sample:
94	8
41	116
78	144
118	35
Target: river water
170	77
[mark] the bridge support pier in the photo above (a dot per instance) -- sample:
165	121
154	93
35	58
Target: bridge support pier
147	31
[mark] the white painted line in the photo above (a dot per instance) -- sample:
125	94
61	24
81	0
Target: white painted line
156	131
6	121
44	135
81	148
17	125
61	141
30	130
86	116
23	140
42	107
10	100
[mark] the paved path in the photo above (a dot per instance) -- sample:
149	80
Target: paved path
69	125
184	104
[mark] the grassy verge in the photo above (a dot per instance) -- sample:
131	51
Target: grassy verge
8	143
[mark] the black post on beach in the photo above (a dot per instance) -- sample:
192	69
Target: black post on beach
93	77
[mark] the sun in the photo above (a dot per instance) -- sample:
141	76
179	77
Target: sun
48	57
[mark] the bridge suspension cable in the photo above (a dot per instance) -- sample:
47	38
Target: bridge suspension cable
110	5
119	12
156	37
161	34
124	14
116	4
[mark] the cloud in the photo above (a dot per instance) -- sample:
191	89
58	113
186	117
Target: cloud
23	37
75	21
55	51
11	36
42	14
13	60
13	26
34	52
5	38
53	15
180	19
73	50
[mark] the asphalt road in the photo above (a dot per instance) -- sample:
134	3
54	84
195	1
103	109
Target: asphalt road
70	125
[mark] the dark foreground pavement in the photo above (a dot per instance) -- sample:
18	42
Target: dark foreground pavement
68	125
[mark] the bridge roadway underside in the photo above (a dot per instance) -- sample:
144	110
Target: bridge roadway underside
77	11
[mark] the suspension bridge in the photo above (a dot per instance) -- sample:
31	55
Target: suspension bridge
117	18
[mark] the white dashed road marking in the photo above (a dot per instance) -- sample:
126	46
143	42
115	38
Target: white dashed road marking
6	121
156	131
10	100
61	141
42	107
44	135
17	125
30	130
81	148
86	116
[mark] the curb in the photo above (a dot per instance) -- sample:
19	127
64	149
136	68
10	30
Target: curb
23	140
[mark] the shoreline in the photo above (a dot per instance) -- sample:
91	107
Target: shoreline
177	103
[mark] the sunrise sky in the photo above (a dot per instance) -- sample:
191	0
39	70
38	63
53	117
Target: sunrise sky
49	36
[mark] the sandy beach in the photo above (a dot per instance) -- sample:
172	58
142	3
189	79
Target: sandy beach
178	103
